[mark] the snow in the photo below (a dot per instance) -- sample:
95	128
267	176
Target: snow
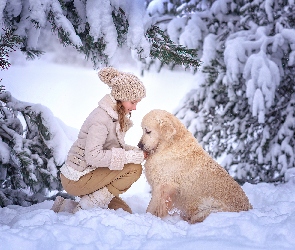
192	35
4	152
270	225
156	6
62	22
135	11
175	28
101	24
234	56
81	10
71	92
268	9
258	106
263	77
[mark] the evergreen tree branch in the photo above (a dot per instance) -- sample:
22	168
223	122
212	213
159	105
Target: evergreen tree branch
167	52
29	156
8	43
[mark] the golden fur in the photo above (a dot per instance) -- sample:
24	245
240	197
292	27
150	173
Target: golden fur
183	177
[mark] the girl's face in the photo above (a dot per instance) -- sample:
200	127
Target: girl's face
130	105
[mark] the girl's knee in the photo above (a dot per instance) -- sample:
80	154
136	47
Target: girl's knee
135	169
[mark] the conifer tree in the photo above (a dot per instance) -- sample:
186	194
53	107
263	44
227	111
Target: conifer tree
32	146
28	162
242	110
95	28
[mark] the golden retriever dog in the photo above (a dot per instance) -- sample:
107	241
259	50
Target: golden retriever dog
184	179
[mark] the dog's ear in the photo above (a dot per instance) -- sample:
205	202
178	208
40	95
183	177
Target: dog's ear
167	127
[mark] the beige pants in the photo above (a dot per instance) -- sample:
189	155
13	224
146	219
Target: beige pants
117	181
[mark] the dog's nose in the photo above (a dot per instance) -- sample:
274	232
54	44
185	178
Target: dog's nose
140	145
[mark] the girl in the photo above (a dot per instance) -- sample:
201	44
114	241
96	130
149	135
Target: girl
99	165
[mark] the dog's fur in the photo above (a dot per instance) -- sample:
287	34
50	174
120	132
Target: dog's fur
183	177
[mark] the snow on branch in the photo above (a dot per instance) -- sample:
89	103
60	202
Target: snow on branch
63	25
262	78
170	53
33	146
99	17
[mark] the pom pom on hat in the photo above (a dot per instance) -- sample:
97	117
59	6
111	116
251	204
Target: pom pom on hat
107	74
125	86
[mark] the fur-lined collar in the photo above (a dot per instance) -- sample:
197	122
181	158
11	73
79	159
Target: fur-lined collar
107	104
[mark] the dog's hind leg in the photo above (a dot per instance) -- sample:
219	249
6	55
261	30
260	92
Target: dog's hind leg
208	206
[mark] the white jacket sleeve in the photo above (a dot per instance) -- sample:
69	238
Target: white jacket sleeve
118	159
94	153
121	157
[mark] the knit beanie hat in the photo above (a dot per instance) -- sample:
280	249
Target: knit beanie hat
125	86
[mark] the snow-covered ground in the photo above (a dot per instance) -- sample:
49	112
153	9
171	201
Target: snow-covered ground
270	225
71	92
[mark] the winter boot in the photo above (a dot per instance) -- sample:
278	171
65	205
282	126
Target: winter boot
68	206
64	205
117	203
57	204
100	198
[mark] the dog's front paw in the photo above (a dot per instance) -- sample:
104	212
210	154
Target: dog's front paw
152	208
162	210
159	208
162	201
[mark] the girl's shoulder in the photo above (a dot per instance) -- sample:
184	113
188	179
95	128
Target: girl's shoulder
99	115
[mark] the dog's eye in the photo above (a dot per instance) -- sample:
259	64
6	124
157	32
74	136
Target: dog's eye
148	132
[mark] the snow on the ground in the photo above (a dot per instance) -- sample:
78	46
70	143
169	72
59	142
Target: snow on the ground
269	225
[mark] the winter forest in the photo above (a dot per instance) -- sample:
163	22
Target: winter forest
241	53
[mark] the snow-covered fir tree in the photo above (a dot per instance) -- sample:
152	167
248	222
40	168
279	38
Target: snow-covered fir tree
98	29
242	108
33	146
33	143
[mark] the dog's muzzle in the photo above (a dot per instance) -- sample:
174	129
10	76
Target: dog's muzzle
140	145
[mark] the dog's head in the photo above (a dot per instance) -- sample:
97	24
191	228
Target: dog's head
159	127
